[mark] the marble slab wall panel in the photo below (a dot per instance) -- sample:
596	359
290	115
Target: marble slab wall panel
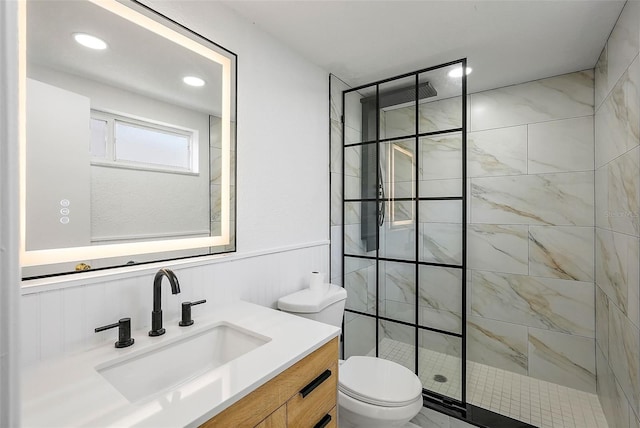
543	199
498	248
501	151
564	252
440	298
359	334
617	208
561	146
623	193
559	97
602	320
623	355
359	281
616	267
440	115
397	281
544	303
616	120
614	404
497	344
562	358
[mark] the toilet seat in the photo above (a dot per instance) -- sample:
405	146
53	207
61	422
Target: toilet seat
378	382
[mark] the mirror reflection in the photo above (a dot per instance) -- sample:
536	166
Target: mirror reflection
128	139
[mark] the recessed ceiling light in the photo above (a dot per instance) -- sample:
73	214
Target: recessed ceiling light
89	41
193	81
457	72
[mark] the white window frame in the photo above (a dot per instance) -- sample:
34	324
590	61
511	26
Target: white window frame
110	159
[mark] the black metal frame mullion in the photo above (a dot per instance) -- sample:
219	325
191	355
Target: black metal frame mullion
463	395
378	178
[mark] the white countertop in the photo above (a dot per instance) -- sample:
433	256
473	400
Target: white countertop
69	392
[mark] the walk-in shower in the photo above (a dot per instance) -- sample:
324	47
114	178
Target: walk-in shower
404	235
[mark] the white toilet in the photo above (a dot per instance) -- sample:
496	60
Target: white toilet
372	392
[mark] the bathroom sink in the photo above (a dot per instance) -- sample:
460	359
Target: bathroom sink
179	361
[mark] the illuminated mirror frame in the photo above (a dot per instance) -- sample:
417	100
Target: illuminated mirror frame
73	254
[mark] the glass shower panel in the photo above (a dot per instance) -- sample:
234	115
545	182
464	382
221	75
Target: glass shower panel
357	239
441	231
359	335
360	283
440	172
397	342
442	110
360	115
440	298
440	363
397	291
397	108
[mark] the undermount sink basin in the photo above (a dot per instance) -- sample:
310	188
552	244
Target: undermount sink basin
179	361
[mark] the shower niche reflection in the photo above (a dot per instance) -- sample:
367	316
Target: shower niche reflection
404	187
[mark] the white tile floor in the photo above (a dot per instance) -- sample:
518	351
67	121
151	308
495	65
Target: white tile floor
539	403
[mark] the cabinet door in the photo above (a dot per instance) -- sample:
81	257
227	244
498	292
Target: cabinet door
277	419
308	409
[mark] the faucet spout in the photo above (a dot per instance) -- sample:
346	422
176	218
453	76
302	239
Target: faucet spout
156	314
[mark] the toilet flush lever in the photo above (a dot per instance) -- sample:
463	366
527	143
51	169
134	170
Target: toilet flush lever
124	332
186	312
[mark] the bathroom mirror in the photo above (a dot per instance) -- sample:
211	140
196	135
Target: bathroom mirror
127	138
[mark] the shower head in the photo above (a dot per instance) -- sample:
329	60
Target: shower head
403	95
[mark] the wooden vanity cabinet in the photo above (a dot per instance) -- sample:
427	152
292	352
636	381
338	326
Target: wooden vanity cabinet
303	396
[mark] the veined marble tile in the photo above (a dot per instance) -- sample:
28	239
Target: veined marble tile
623	193
351	135
360	283
614	403
624	354
445	344
559	97
497	344
353	244
561	145
617	120
401	333
616	266
602	320
440	298
623	42
562	358
336	147
398	122
441	211
552	304
352	189
428	418
546	199
500	248
440	115
440	157
601	78
501	151
397	282
398	242
359	334
633	309
440	188
441	243
602	197
564	252
398	311
634	422
353	161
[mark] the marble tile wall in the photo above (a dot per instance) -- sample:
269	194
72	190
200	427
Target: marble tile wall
617	216
531	227
530	233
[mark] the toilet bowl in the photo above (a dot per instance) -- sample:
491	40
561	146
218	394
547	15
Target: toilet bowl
372	392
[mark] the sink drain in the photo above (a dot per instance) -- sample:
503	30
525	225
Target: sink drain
440	378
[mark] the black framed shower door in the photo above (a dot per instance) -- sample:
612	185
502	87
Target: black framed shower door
404	213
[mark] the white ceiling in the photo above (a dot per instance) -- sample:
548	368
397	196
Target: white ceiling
506	42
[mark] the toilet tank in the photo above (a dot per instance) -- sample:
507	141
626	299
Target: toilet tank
326	307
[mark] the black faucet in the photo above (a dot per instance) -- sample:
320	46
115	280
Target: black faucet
156	314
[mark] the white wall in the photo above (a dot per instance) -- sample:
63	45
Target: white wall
9	272
282	200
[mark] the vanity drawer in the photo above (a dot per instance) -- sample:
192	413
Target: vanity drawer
259	406
312	403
